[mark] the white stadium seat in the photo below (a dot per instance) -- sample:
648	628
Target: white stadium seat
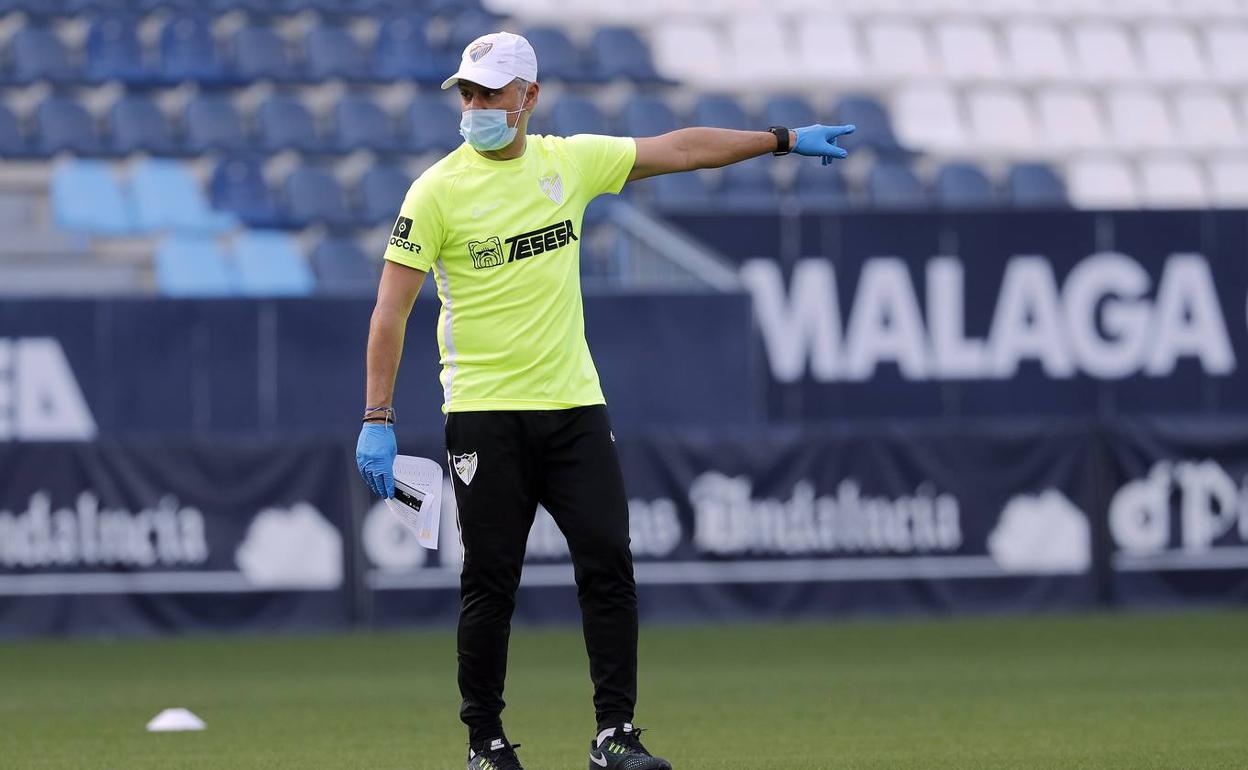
829	48
1171	54
1037	51
898	49
1103	53
928	118
1138	120
1001	120
1101	183
1226	45
760	49
1206	120
1172	183
1070	118
1228	181
690	50
968	51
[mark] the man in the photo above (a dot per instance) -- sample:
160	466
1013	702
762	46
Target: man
498	221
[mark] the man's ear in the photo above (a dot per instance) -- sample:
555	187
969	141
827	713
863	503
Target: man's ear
530	97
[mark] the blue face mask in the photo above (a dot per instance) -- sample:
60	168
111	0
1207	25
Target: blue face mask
487	130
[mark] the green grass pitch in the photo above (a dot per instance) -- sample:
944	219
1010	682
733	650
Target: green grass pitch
1132	692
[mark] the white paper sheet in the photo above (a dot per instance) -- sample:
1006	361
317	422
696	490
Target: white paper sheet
420	481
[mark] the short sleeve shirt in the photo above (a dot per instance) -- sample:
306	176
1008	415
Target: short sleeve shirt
502	240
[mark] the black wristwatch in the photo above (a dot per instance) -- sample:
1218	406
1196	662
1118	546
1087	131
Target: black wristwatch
782	140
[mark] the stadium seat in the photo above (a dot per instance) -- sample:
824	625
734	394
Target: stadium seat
359	123
12	142
1035	185
259	54
687	192
691	50
188	51
719	111
1172	183
1226	44
575	115
892	185
928	118
166	196
1206	120
113	52
618	53
1000	120
382	190
212	123
343	268
192	266
238	187
1104	54
1036	51
313	196
38	54
466	26
646	115
748	186
820	188
87	196
403	51
331	52
1139	120
963	186
1101	182
270	264
1171	54
283	123
828	47
431	124
759	48
791	111
968	51
898	49
559	58
136	124
1070	118
1228	181
875	131
62	124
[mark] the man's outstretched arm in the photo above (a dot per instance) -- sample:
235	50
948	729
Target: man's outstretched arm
688	149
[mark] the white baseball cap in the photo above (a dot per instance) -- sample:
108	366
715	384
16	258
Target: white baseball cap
494	60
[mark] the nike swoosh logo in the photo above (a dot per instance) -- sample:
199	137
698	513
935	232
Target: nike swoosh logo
599	760
478	212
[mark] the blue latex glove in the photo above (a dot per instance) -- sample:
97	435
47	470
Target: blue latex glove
820	141
374	456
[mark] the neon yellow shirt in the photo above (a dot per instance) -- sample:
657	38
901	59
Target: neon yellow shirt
502	239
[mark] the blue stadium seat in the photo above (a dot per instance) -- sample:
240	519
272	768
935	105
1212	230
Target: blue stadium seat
38	54
647	115
1035	185
269	264
963	186
61	124
238	187
719	111
617	52
576	115
821	188
188	51
166	196
212	123
87	196
875	130
331	52
12	142
790	111
403	52
748	186
343	268
37	9
314	196
283	123
192	266
466	27
359	123
113	52
137	125
381	194
686	192
892	185
559	58
258	53
431	125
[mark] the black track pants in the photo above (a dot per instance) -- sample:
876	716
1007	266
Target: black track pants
504	464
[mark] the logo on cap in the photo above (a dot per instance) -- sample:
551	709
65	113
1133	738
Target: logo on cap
479	50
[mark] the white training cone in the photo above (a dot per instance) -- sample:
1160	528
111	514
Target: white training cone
175	720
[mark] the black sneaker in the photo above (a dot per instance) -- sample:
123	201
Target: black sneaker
619	748
497	754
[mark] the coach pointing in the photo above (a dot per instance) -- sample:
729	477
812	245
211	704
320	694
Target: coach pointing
498	222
